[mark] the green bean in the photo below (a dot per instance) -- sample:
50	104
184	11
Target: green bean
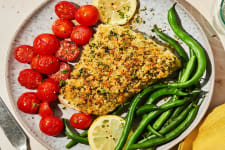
146	108
189	68
163	92
180	74
154	131
131	112
162	119
121	108
176	112
73	136
166	106
151	148
171	135
198	51
172	104
176	121
73	142
191	52
173	43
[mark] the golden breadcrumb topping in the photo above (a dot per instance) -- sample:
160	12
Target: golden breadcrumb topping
115	65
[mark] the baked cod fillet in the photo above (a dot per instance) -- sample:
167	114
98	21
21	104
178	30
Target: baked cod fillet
115	65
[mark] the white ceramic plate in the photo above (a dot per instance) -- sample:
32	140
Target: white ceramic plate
40	22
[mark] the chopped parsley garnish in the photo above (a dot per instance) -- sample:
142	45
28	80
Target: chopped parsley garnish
104	66
137	19
62	82
126	7
102	91
65	71
124	43
122	15
80	71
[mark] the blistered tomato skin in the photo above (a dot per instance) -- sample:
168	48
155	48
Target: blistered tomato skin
65	10
29	78
46	44
24	53
62	28
62	74
87	15
28	103
48	90
81	34
68	51
80	120
45	110
51	125
47	64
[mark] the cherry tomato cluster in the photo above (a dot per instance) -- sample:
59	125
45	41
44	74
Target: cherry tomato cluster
48	59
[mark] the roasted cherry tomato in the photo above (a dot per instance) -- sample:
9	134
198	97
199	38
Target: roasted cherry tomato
87	15
34	62
68	51
45	110
28	102
24	53
81	120
45	44
62	28
62	74
81	34
29	78
47	64
48	90
65	10
51	125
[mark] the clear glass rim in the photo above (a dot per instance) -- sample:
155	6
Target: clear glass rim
221	12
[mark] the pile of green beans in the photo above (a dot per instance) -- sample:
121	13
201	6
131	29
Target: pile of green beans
169	122
174	122
169	136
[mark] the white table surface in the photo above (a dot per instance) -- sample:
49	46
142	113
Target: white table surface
12	14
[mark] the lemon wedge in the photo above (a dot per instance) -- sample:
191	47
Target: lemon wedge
105	132
116	12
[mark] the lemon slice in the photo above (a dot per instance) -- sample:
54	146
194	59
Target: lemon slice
105	132
116	12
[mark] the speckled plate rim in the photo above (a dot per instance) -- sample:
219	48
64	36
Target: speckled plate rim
168	145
